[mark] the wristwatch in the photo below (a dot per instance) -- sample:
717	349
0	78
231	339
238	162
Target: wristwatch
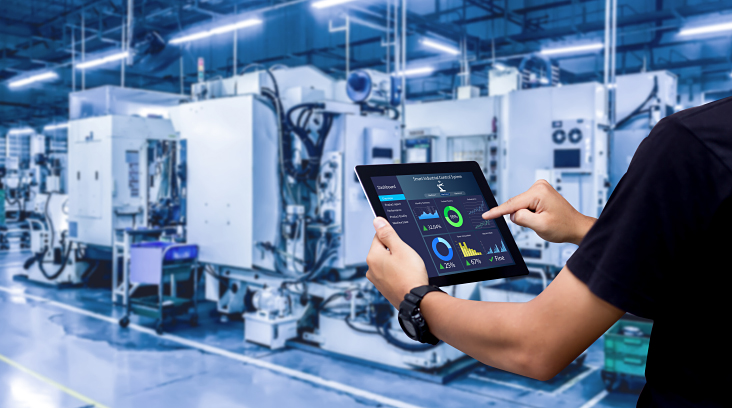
410	315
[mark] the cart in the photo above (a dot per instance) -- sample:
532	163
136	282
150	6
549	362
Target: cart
160	263
625	354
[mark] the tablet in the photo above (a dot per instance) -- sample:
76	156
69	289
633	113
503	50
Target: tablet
436	208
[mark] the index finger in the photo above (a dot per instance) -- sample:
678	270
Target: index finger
524	200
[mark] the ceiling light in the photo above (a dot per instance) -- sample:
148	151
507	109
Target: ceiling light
219	30
35	78
57	126
576	48
21	131
101	61
441	47
706	29
329	3
416	71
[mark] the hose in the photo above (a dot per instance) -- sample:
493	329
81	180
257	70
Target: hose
39	258
384	331
50	221
639	109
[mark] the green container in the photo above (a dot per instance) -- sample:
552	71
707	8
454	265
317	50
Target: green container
616	343
627	354
630	365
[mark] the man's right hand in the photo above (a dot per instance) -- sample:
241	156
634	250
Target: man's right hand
545	211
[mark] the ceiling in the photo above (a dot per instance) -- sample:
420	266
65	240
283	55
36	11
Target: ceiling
41	35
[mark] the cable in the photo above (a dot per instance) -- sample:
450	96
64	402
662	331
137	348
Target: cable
639	109
50	221
384	331
353	327
39	258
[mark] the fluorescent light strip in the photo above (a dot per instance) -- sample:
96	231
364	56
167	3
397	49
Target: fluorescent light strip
34	78
21	131
54	127
416	71
219	30
441	47
567	50
329	3
706	29
101	61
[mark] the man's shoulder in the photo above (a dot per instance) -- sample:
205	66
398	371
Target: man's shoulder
711	124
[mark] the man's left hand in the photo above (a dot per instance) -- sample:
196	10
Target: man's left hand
394	267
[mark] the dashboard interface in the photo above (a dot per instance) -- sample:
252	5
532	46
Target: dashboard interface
439	216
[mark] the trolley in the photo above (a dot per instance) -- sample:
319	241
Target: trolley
160	263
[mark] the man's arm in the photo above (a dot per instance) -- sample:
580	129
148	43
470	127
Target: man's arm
542	209
536	339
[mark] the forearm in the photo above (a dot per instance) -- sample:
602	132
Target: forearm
583	225
494	333
536	339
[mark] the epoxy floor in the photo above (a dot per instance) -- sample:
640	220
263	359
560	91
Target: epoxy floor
63	348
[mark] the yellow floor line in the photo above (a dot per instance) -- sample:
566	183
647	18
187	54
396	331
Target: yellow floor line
52	383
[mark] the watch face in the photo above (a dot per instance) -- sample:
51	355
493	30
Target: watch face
408	328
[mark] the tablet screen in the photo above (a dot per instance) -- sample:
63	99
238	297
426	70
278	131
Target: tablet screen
439	215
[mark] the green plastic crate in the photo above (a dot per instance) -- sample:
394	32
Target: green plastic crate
616	343
623	364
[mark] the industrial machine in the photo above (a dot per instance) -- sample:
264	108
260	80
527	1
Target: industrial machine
124	171
35	188
278	214
557	133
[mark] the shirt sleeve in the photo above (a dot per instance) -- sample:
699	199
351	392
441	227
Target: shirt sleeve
657	214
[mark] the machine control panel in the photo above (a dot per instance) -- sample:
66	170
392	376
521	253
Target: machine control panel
572	144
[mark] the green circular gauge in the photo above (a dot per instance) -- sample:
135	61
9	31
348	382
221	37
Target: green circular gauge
459	222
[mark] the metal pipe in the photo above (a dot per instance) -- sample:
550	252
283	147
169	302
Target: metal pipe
404	66
123	45
235	56
73	59
83	51
348	45
130	32
388	36
182	81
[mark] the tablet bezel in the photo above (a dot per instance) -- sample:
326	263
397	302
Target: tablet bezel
366	172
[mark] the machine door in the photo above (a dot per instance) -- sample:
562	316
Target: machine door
469	148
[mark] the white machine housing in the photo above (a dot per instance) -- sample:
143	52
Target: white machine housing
455	130
108	173
233	141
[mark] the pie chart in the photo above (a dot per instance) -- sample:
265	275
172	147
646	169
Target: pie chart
439	255
456	220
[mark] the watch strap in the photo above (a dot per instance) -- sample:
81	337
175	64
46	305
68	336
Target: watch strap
413	299
420	291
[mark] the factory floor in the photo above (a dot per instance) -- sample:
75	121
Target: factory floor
64	348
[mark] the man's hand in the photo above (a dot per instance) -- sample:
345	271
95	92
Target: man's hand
396	270
545	211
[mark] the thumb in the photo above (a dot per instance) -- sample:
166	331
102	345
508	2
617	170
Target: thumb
525	218
386	234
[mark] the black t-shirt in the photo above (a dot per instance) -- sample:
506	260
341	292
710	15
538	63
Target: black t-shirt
662	249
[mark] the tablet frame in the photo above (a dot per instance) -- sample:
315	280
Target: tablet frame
366	172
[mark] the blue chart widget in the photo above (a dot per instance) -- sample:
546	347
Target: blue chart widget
444	254
428	217
494	247
440	240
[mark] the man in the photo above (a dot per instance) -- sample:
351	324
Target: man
660	250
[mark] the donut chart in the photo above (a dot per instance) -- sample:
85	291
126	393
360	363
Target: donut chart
437	253
459	222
